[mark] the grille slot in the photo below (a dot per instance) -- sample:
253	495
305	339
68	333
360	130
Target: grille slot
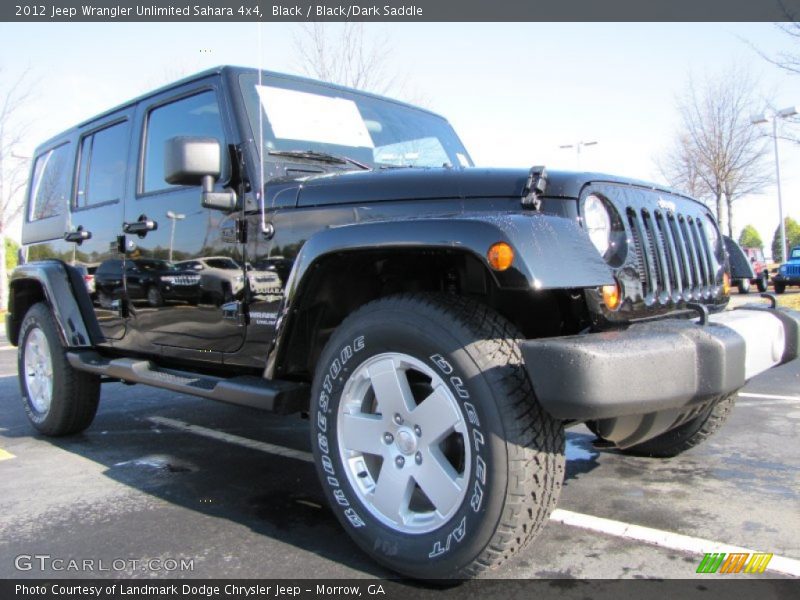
673	257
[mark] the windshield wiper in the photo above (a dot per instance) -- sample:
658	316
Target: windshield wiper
320	156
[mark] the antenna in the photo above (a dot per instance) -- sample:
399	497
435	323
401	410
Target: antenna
260	193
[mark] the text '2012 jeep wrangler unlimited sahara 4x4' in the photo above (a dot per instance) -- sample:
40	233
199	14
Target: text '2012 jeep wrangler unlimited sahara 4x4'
441	323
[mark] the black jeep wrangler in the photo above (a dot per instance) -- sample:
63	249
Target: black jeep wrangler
440	323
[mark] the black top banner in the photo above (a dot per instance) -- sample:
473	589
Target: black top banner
400	10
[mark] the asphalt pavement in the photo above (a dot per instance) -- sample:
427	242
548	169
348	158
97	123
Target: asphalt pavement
166	485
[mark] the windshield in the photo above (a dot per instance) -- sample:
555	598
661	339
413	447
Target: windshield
222	263
795	253
299	116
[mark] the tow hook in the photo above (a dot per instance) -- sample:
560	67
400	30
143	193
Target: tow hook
701	310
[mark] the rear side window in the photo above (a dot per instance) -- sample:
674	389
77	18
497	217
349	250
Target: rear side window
102	169
196	115
50	183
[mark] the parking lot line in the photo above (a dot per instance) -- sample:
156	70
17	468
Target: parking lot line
233	439
768	396
5	455
667	539
657	537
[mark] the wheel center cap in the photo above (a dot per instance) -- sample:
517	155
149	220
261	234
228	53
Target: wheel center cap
406	441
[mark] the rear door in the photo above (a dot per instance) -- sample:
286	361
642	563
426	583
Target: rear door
97	207
181	319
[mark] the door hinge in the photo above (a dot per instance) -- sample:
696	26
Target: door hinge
241	230
234	311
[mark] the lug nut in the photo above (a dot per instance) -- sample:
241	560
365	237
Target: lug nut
399	461
417	430
398	419
418	458
388	438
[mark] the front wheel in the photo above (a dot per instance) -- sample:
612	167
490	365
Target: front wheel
58	399
430	445
154	296
688	435
744	286
780	288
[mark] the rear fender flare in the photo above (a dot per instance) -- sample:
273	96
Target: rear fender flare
64	292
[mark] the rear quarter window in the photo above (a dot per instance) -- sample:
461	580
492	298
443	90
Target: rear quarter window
50	183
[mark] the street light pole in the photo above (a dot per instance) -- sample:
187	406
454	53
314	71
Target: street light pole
577	147
773	117
778	180
174	217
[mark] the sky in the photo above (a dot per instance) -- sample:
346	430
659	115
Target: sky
514	92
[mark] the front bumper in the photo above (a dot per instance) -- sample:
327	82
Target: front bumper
670	366
786	279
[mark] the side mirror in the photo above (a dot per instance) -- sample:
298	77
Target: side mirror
197	161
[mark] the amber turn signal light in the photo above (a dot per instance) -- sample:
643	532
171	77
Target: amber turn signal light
726	284
611	296
500	256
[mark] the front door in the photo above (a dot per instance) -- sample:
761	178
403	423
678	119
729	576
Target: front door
178	299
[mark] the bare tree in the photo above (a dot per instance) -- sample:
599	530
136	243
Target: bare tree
717	155
13	165
346	56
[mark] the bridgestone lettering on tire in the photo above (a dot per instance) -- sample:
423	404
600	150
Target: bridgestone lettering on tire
428	440
58	399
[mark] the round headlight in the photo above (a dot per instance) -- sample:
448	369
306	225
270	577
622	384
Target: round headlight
597	222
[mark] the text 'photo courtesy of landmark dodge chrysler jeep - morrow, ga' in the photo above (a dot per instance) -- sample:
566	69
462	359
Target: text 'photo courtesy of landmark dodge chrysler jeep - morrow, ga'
439	323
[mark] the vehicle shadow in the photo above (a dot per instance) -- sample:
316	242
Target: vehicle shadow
274	496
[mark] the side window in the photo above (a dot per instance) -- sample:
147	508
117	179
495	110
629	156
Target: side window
104	156
196	115
50	184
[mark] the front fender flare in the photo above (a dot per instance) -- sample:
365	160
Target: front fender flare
65	294
550	252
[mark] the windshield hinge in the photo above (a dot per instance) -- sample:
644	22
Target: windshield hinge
534	187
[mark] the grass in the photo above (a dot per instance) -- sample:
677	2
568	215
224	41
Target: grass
789	301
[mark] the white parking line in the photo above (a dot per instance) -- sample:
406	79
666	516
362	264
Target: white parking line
7	348
233	439
768	396
666	539
657	537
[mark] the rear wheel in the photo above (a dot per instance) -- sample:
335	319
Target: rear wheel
58	399
429	443
763	283
688	435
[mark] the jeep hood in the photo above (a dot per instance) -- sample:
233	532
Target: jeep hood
428	184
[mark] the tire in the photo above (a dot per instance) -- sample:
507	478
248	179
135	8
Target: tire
688	435
780	288
495	477
154	296
58	399
744	286
763	283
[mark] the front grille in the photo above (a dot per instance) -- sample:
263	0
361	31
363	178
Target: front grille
793	270
182	279
673	258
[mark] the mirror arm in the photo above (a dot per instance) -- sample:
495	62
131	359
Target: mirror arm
227	200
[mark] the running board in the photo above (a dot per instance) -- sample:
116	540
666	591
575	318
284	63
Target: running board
283	397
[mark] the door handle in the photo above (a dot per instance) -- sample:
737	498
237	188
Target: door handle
78	236
140	227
